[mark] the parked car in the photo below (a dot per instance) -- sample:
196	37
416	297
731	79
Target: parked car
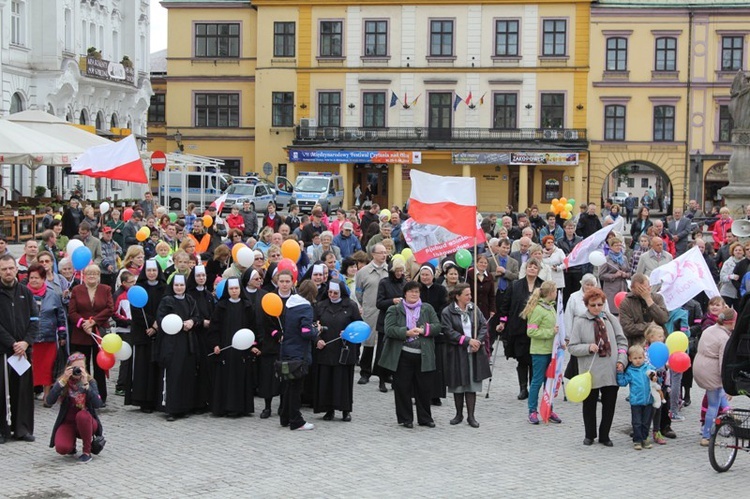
619	197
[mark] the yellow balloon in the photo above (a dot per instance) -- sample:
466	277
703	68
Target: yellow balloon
398	258
568	207
677	342
407	253
385	213
111	343
579	387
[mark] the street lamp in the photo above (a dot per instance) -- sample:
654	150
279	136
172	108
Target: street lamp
178	140
698	158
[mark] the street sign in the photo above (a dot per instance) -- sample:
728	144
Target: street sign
158	161
267	168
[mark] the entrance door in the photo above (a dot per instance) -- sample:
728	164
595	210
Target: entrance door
373	182
513	187
441	115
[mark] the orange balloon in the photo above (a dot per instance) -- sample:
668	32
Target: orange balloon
235	249
290	249
557	209
563	201
272	305
555	201
208	221
141	236
565	214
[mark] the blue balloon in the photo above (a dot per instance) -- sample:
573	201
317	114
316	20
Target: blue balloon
356	332
220	288
137	296
81	257
658	354
435	262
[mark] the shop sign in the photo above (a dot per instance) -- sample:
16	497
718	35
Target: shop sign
481	158
544	158
327	156
109	70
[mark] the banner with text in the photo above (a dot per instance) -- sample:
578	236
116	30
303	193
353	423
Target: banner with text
683	278
326	156
544	158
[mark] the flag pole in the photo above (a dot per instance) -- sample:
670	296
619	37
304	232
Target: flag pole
476	299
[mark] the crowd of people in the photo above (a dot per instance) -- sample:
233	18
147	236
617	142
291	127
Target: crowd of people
433	326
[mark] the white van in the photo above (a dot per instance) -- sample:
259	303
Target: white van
315	187
200	188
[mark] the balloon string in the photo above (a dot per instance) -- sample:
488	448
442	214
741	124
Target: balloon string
214	353
335	339
281	326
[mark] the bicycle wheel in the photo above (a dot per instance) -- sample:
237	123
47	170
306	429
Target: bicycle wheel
722	447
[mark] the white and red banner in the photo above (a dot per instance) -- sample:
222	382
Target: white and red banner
580	254
219	203
555	370
429	241
683	278
448	202
117	161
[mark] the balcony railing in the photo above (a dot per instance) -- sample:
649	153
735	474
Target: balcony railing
322	135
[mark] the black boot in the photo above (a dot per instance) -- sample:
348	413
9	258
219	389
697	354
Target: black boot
686	397
458	399
382	387
523	394
471	403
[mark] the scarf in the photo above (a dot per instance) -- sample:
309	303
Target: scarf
412	313
601	338
618	258
465	319
39	293
77	392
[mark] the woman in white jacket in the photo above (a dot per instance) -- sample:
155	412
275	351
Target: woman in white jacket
552	258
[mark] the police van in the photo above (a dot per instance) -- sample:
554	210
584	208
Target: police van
315	187
180	188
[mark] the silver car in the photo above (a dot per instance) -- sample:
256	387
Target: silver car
259	194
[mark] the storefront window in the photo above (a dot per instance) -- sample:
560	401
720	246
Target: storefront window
551	189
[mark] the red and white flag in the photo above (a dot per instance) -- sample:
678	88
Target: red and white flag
449	202
117	161
219	202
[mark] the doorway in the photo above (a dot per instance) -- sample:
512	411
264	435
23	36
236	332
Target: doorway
440	115
372	179
513	187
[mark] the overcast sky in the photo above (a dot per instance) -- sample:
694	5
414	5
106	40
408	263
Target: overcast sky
158	26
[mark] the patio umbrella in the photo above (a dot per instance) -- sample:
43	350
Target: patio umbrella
49	124
22	146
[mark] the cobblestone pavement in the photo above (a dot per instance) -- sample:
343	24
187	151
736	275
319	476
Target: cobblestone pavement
371	456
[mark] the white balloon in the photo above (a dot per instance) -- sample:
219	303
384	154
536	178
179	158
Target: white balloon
171	324
73	245
245	257
104	207
243	339
597	258
124	353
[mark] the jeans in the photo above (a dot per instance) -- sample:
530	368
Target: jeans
676	385
641	418
539	365
715	398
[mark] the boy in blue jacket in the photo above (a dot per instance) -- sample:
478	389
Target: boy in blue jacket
636	375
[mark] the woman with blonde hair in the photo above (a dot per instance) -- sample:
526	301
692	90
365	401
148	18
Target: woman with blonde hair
264	240
133	263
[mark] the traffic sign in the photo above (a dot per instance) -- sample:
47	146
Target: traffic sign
158	160
267	168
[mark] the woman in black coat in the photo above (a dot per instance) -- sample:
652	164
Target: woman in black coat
437	296
468	364
513	328
72	218
198	289
334	379
640	226
390	292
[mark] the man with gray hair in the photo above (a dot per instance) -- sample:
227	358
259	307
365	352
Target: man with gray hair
640	308
385	233
366	290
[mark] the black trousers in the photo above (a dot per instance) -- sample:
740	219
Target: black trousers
365	362
572	284
523	369
21	402
100	376
409	381
609	400
291	401
109	280
378	371
126	366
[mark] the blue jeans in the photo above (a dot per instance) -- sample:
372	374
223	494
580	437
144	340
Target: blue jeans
539	364
715	398
640	416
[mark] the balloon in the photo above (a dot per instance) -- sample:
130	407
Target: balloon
570	215
568	207
111	343
619	297
398	258
245	257
435	262
290	249
81	257
555	202
679	362
272	304
658	354
677	342
104	207
572	202
124	353
173	217
236	248
563	201
141	236
127	214
171	324
105	361
288	264
137	296
208	221
58	217
407	253
557	209
220	287
385	212
243	339
73	244
597	258
463	258
564	214
579	387
356	332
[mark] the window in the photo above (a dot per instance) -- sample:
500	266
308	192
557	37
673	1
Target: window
553	110
69	30
614	122
505	110
726	124
731	53
329	109
282	109
217	110
17	22
115	46
630	182
666	54
644	183
506	38
283	39
373	109
376	38
617	54
664	123
554	37
16	103
157	111
217	40
232	167
330	39
441	38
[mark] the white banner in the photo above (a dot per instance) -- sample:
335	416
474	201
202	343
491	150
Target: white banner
580	254
683	278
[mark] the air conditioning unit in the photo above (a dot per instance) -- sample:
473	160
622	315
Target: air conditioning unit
353	136
571	135
551	134
371	135
308	123
331	133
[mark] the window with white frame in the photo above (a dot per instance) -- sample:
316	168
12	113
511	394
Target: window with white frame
18	22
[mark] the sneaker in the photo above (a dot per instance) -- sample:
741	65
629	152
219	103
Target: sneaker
306	427
704	442
659	438
120	393
85	459
555	418
647	444
534	418
637	446
676	417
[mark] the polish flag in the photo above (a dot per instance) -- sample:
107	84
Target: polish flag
219	203
117	161
450	202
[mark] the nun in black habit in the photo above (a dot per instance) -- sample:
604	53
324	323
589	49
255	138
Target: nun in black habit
177	352
141	388
197	287
234	387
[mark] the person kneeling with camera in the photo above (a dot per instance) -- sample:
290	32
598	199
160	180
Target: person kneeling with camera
79	398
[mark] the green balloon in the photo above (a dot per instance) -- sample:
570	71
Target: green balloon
572	202
463	258
173	217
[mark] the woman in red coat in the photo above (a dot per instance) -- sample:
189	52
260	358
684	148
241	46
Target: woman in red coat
89	310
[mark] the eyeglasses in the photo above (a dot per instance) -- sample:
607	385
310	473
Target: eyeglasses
258	258
596	304
45	261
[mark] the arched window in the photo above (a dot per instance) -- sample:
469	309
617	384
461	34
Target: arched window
16	103
99	121
83	118
113	122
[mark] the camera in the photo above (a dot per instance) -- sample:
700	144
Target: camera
77	371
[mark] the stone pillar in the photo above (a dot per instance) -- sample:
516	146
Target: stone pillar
523	187
344	172
398	185
737	193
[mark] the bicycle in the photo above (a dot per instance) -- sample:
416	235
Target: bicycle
730	434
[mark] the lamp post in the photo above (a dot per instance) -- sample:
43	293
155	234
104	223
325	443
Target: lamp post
698	158
178	140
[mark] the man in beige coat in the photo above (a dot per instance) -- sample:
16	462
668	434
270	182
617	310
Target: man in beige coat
366	288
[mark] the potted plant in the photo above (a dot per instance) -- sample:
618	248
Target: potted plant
92	52
126	62
40	191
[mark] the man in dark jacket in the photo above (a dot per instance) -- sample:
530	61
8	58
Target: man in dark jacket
250	219
293	220
588	222
130	229
572	274
17	331
370	216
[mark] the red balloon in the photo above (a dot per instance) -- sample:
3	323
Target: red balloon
127	214
105	360
679	362
619	297
288	264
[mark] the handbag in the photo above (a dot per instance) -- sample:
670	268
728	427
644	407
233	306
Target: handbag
288	370
97	444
